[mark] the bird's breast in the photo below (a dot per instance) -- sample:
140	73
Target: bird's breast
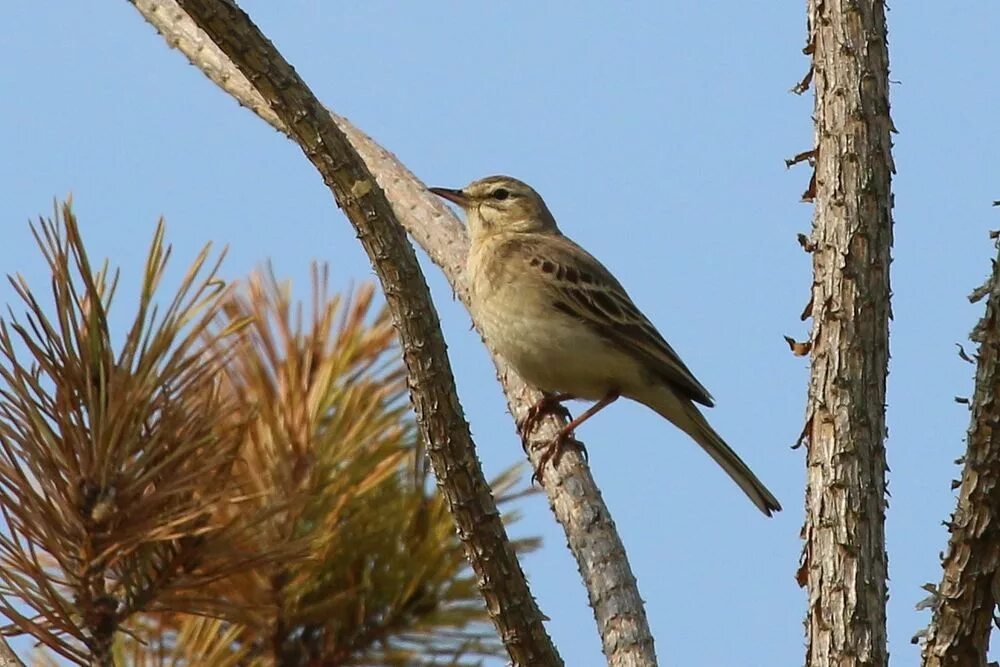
549	349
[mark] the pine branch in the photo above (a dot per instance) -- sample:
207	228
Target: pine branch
113	465
332	439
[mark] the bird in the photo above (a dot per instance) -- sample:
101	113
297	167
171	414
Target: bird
568	327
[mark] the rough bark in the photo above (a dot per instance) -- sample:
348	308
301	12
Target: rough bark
965	600
573	495
7	656
844	559
432	391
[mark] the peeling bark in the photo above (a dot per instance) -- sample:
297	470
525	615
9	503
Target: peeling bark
964	602
844	560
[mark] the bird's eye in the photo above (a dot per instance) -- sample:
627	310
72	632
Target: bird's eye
500	194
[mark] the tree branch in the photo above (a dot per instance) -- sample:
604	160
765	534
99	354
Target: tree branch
573	495
432	390
964	603
844	559
7	656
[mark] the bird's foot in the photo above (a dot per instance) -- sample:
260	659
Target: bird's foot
554	450
549	404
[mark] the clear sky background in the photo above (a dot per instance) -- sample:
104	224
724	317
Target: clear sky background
657	133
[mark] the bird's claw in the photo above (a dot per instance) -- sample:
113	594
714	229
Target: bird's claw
553	452
547	405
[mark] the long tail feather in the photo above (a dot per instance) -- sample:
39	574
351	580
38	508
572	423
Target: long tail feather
686	416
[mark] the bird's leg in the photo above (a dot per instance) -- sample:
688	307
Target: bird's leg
549	404
554	450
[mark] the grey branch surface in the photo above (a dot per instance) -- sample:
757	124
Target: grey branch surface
965	600
573	495
432	389
844	558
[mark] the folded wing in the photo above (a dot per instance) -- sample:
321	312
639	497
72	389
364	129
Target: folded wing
587	291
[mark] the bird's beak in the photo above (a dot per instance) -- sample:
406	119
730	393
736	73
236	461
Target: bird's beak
456	196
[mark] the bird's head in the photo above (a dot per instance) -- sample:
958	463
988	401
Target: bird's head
501	204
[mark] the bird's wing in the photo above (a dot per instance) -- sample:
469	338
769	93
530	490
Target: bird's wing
583	288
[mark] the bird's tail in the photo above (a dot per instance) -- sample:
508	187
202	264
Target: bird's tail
686	416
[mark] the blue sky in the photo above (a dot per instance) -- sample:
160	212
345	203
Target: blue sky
657	134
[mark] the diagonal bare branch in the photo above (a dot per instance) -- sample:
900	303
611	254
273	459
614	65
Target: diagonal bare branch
432	391
572	492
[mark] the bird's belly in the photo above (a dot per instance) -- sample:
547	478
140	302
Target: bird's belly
553	351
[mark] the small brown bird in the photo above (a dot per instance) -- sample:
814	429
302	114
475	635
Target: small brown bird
568	327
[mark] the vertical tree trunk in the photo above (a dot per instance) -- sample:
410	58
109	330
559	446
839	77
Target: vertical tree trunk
965	600
844	559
